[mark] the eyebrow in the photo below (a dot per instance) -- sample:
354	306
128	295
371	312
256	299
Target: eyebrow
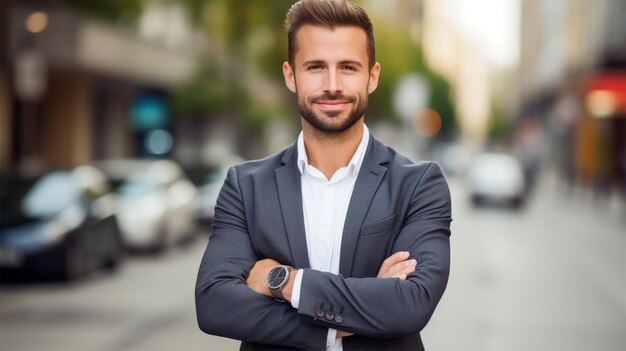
343	62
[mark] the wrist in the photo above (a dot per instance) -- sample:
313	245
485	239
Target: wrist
276	279
287	289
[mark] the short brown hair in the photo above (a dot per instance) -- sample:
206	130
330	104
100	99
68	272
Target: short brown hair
331	13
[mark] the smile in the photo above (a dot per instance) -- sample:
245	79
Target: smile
332	105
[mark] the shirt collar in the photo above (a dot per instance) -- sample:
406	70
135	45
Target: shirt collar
355	162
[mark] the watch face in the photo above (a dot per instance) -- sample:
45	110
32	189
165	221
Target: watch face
276	277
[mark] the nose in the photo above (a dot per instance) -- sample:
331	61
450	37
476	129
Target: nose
332	82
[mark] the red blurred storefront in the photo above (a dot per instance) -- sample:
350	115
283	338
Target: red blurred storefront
600	134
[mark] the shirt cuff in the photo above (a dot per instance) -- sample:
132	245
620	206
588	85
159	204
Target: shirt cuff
295	293
331	338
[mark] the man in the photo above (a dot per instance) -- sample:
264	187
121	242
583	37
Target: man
337	242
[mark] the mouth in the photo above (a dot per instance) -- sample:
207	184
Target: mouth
332	105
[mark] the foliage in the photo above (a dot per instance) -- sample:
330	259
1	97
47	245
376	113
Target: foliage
499	126
245	39
248	38
110	10
400	55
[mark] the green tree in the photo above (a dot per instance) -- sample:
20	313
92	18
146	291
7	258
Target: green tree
399	55
128	10
244	40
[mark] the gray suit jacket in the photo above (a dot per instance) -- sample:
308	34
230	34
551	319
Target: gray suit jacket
396	205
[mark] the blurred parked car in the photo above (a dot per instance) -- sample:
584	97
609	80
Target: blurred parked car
210	185
207	195
60	225
496	178
453	158
156	202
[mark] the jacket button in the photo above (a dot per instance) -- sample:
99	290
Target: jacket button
319	311
339	318
330	315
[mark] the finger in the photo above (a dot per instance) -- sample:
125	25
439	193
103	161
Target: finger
393	260
403	275
404	267
393	271
343	334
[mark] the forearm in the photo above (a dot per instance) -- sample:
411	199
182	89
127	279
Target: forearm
225	306
391	307
369	306
381	307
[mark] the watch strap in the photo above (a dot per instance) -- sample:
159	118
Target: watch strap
278	294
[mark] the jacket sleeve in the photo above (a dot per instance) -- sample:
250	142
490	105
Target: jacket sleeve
392	307
225	306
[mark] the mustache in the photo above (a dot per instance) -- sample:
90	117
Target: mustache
331	97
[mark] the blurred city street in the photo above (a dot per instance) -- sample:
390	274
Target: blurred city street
550	277
547	277
120	119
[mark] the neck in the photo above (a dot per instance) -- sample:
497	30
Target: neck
330	151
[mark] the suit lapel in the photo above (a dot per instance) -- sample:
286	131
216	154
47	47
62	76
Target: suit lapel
290	195
367	182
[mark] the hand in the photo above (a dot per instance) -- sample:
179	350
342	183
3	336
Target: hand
258	273
343	334
397	265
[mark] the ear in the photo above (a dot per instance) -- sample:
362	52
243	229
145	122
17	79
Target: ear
290	78
373	81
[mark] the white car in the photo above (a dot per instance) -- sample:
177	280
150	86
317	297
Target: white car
208	194
156	202
210	187
496	178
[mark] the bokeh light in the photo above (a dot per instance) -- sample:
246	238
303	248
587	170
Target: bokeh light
37	22
158	142
427	123
601	103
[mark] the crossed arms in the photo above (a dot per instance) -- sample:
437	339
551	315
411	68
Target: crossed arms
398	265
231	296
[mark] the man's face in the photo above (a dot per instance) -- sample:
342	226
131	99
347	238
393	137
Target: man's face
331	76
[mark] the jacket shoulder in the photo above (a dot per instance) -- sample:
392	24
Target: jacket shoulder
261	166
403	166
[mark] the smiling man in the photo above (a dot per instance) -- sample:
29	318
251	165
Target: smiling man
337	242
334	77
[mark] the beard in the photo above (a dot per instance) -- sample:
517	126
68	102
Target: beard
332	123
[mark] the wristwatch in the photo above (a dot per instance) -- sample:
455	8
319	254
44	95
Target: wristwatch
276	279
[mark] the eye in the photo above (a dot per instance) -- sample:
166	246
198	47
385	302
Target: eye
315	68
349	68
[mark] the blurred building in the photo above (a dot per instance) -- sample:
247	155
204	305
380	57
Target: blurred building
74	88
563	40
572	77
475	46
560	64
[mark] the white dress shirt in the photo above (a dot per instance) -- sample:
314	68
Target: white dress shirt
325	205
